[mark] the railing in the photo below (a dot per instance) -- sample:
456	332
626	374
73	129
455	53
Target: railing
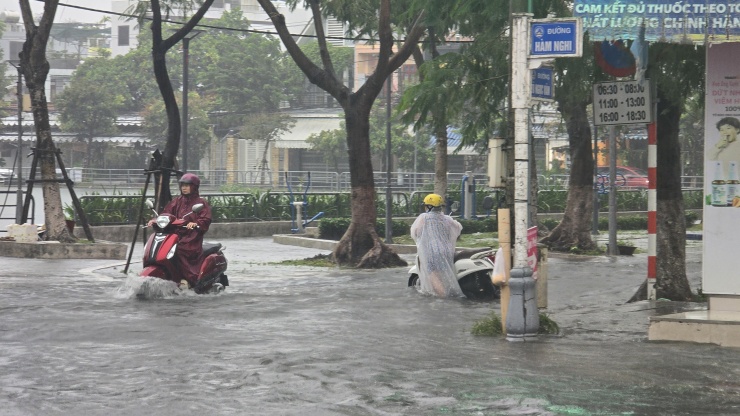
555	182
8	209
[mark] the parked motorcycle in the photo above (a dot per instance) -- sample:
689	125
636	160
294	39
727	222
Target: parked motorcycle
160	249
474	269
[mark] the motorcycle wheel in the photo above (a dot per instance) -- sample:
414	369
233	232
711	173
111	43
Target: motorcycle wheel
478	286
414	280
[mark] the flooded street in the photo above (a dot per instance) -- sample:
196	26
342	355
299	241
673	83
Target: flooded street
286	340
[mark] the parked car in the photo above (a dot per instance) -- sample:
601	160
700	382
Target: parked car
627	177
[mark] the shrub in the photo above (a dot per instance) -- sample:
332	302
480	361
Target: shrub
334	228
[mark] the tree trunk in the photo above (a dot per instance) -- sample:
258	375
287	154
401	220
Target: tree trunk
575	228
35	68
361	246
172	146
440	162
160	47
671	281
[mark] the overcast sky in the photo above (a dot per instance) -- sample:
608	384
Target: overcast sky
64	13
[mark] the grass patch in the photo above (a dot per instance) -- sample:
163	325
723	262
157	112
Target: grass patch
491	326
320	260
487	239
488	327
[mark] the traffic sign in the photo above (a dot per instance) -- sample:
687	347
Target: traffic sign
556	38
622	102
542	84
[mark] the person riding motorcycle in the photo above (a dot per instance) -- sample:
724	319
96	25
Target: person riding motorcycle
435	235
190	244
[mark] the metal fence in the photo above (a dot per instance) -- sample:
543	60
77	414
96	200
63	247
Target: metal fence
555	182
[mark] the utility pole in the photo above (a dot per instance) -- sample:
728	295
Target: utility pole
19	151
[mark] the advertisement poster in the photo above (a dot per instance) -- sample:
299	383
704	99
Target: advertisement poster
664	20
721	224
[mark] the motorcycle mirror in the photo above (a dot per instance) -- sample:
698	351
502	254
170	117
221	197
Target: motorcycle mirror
149	204
455	206
197	208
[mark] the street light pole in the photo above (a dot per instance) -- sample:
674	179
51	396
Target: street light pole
19	151
185	62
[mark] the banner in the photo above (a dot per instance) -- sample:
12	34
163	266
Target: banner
672	21
721	224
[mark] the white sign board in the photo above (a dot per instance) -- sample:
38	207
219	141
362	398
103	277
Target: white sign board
721	223
622	102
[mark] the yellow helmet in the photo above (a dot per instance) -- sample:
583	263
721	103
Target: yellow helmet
434	200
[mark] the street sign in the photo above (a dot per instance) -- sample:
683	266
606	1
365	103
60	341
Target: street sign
542	84
622	102
555	38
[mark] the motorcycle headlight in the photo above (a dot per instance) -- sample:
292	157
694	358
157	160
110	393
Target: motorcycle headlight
163	221
171	253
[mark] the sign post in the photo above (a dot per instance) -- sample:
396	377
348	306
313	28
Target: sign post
533	43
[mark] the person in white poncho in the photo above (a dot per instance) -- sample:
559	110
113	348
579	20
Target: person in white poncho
435	235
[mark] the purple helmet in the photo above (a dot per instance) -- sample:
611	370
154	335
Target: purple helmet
192	179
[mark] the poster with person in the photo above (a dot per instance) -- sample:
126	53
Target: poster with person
721	223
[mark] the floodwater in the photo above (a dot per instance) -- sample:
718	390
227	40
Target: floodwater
283	340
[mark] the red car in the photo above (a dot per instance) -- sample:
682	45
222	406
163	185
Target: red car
627	177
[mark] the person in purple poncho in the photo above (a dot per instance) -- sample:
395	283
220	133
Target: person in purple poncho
190	245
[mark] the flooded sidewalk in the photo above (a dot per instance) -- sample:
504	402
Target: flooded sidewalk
287	340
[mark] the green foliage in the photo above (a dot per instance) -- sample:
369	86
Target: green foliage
485	225
624	222
489	326
553	200
332	144
334	228
547	325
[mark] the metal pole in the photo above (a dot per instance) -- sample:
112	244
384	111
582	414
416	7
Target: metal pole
185	83
19	152
184	133
613	250
388	205
595	223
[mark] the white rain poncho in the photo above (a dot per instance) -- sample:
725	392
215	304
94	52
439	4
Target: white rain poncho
435	235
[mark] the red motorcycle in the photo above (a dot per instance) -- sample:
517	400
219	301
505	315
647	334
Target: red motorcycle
160	249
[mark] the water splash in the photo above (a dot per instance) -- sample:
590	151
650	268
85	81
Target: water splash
148	288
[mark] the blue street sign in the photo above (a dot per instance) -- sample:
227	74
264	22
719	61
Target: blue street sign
554	39
542	83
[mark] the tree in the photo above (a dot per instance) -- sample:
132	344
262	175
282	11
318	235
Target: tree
576	76
241	73
199	126
35	68
160	46
409	149
331	144
360	245
678	71
265	127
90	110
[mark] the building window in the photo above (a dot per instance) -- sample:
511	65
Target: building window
123	36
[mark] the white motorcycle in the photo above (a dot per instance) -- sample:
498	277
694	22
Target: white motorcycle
474	271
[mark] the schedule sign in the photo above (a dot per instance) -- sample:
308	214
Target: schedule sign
555	39
622	102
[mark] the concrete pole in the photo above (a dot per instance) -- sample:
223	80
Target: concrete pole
520	93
